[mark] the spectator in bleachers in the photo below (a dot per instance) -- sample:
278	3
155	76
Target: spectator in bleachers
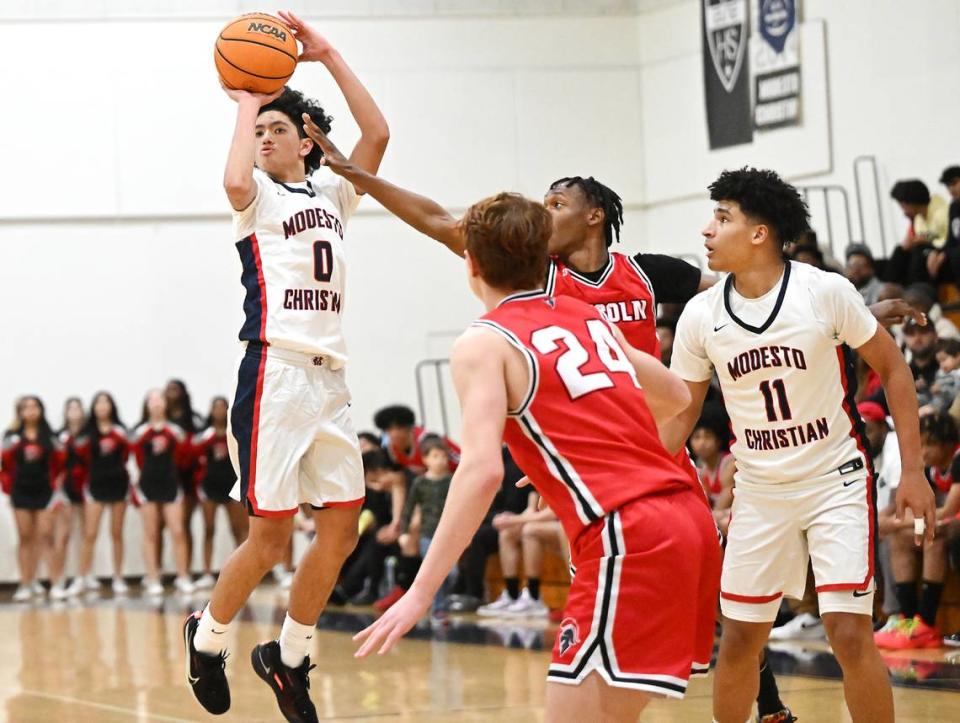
923	298
427	496
927	231
916	627
368	442
943	266
469	587
885	452
708	443
541	533
921	343
808	254
402	438
861	272
946	384
666	329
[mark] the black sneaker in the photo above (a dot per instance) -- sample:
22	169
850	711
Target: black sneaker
290	685
781	716
952	641
205	672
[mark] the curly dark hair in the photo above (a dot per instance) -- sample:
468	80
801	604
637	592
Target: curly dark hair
939	428
598	196
397	415
764	196
293	104
911	190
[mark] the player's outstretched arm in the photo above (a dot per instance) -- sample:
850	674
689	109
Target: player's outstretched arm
238	176
914	492
478	366
665	392
374	132
420	212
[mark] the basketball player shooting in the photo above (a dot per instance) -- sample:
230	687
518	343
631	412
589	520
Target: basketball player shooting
779	335
292	440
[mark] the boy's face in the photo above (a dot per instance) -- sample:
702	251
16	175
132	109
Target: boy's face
437	461
571	216
934	452
279	146
731	238
704	443
948	362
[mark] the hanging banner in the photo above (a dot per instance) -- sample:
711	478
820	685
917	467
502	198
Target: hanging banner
726	71
775	57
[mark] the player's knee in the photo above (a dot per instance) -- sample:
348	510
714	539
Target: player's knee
742	640
849	638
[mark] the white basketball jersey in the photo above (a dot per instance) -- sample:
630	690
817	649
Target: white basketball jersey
784	370
294	272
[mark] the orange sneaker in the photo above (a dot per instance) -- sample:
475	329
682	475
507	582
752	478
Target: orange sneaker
914	634
390	599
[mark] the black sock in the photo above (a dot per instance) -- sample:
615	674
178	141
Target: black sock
513	586
768	700
533	586
907	597
930	601
407	570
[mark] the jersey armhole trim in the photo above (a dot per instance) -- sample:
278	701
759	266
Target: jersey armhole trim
532	367
646	279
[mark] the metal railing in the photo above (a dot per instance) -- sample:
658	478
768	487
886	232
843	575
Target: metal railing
826	192
869	163
437	365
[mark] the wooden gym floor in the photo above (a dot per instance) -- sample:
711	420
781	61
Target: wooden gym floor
113	660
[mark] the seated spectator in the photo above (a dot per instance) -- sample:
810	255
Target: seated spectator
402	438
428	494
666	329
808	254
927	230
923	298
946	385
915	627
861	272
884	448
386	489
469	588
812	252
921	350
944	266
708	443
368	442
541	533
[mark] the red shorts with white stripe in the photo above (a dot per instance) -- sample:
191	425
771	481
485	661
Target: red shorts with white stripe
643	601
291	439
776	529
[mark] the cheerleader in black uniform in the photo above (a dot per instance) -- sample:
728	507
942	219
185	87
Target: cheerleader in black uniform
215	479
70	514
158	446
180	412
31	465
105	448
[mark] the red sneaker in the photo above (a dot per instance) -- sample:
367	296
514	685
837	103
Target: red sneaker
916	634
884	638
390	599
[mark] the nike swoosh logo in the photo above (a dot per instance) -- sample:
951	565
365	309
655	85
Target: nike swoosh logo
807	626
218	632
265	667
718	328
847	484
186	639
857	593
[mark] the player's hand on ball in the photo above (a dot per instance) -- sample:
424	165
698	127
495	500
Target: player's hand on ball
915	494
315	46
393	625
240	96
332	157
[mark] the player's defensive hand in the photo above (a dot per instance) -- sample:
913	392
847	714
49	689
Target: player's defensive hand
915	494
315	46
241	96
332	157
395	623
896	311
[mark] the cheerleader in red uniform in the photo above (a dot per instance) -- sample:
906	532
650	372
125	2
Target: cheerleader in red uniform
105	448
70	514
30	468
159	447
215	478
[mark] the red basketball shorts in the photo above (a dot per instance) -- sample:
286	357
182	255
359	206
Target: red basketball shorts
643	601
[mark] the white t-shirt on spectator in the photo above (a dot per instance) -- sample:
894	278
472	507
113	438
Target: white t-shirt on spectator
887	466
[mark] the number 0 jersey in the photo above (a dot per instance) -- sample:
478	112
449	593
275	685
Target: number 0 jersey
785	373
584	434
294	272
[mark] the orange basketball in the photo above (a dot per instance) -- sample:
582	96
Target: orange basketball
256	52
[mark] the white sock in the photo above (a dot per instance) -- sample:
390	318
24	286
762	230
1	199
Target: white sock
295	641
211	636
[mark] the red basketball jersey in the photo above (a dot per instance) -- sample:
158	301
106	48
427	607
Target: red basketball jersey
584	434
623	295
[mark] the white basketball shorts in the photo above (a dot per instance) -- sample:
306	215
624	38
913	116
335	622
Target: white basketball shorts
776	529
291	437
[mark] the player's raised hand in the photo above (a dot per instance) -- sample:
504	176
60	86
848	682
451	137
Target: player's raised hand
240	96
315	46
896	311
393	625
915	494
332	157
